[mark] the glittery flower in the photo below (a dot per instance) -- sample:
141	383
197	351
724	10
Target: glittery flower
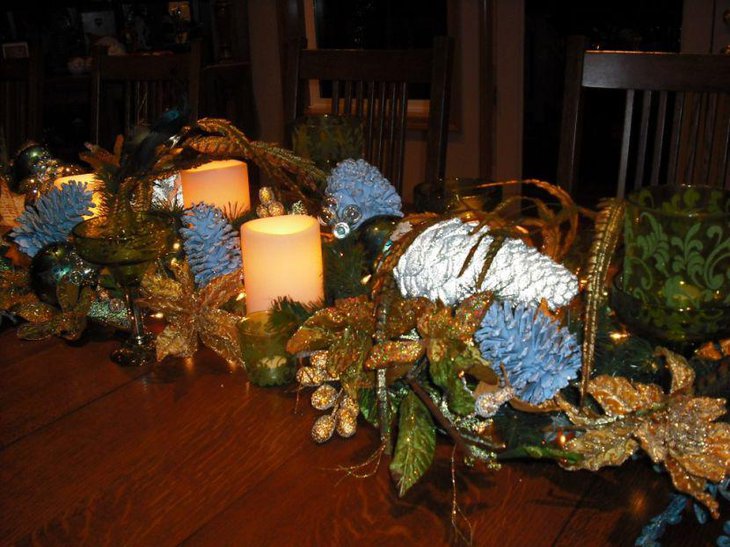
540	357
357	192
676	429
52	217
211	245
194	314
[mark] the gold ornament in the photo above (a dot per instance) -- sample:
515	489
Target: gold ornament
346	423
310	376
193	314
323	428
324	397
266	194
269	206
276	209
348	404
676	429
318	359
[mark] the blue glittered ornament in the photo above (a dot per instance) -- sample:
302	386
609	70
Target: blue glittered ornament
356	192
539	356
52	217
211	244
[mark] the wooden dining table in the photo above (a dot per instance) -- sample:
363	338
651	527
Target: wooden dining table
187	451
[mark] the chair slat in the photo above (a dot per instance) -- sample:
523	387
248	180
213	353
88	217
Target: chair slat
659	138
377	81
709	139
625	143
149	85
682	134
674	142
643	137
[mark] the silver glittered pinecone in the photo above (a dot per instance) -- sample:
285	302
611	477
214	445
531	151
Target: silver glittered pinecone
521	274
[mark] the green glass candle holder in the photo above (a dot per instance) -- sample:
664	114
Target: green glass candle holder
456	194
263	348
328	139
676	268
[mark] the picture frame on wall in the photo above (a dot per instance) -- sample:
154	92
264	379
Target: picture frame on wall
15	50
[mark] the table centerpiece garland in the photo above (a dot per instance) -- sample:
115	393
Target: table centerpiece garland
491	328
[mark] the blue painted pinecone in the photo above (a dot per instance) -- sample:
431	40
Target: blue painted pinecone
211	245
539	356
52	217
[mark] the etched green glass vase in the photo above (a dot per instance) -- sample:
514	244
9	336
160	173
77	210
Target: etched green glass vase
675	282
127	248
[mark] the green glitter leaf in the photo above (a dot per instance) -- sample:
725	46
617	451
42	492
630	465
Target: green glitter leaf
416	443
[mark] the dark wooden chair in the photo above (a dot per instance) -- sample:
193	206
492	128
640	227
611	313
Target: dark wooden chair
129	90
373	85
21	82
676	116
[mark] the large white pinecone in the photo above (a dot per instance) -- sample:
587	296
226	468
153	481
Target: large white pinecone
519	273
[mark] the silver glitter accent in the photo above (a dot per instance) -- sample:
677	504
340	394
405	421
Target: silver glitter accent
430	267
487	404
341	230
298	208
352	214
168	190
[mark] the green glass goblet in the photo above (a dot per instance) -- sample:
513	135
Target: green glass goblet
126	249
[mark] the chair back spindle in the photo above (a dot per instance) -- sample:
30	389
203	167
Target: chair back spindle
374	85
676	115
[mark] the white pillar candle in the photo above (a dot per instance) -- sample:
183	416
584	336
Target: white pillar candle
282	256
92	183
221	183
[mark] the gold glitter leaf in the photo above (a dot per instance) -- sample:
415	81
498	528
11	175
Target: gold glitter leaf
388	354
611	445
618	396
349	349
46	321
309	339
608	226
11	205
403	314
470	313
692	485
683	377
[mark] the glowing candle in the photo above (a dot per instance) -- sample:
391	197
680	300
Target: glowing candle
92	183
221	183
282	256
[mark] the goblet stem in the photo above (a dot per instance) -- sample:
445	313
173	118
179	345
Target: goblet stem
137	324
138	349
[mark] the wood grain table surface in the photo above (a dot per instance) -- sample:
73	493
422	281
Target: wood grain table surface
188	452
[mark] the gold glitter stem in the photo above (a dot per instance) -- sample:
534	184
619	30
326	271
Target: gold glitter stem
384	412
440	418
456	511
